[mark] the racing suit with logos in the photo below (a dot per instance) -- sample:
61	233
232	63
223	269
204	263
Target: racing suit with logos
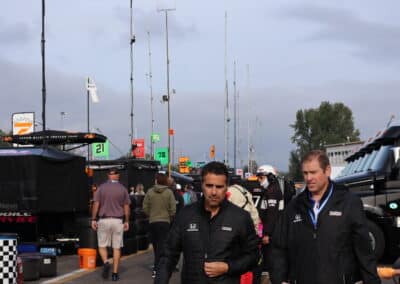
332	248
269	208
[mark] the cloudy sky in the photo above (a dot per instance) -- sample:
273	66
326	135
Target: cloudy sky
298	54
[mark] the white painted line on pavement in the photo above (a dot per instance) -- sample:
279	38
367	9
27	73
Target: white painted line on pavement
80	272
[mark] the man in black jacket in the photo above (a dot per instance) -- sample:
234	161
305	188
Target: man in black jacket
217	238
322	237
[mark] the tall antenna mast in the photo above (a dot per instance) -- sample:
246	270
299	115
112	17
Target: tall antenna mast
168	97
238	128
249	145
151	97
43	69
226	112
132	41
234	116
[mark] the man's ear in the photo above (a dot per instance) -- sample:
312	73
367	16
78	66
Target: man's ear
328	170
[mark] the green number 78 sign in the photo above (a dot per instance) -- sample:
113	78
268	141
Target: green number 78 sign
161	154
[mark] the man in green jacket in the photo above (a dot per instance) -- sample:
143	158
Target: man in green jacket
159	205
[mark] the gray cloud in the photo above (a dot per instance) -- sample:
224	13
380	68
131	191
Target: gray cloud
196	117
15	34
372	41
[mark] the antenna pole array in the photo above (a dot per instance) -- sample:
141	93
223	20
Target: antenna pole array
132	41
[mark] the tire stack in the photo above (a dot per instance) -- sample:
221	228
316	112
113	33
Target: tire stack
142	224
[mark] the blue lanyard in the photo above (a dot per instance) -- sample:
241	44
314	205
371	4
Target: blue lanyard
314	218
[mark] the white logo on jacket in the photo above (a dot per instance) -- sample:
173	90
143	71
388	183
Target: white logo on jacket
192	228
297	218
224	228
264	204
335	213
272	202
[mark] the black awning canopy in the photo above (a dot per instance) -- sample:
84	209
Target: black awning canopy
55	137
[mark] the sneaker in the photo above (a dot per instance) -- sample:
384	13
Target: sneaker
153	274
106	270
115	277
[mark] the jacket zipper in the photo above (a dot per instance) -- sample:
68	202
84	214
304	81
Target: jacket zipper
208	240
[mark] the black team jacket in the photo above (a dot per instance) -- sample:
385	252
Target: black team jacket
229	236
335	251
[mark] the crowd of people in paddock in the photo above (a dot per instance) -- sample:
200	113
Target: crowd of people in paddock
317	237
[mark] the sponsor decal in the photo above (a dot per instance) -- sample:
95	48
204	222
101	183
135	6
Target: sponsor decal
17	217
297	218
225	228
264	204
192	228
281	205
335	213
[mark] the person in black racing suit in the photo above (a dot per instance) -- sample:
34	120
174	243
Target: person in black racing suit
269	208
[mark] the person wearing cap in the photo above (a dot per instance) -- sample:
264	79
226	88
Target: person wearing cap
110	218
269	208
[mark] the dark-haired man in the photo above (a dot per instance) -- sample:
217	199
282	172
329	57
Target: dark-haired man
322	237
217	238
111	204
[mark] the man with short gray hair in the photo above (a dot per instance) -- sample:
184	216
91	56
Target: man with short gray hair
112	208
322	238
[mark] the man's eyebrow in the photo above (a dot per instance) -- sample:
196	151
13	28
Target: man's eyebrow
216	185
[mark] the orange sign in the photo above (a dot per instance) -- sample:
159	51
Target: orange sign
212	152
171	132
183	167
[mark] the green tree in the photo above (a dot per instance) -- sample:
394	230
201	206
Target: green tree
315	128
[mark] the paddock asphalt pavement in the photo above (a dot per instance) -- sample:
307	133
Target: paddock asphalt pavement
134	268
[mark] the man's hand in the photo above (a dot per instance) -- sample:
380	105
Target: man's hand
126	226
214	269
265	240
94	225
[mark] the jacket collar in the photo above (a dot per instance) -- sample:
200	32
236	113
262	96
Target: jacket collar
337	195
305	196
204	212
324	197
